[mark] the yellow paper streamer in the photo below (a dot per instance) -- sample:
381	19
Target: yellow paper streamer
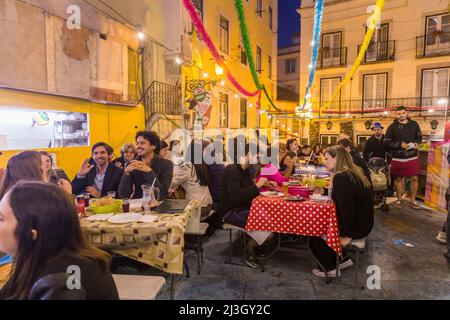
374	19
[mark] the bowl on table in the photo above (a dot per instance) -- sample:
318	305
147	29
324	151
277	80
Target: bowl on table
106	205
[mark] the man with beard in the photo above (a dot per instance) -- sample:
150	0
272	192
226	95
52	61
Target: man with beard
147	168
403	138
98	176
375	147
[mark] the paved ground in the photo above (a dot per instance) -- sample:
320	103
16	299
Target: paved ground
419	272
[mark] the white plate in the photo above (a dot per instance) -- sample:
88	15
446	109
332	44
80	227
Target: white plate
270	194
125	218
100	217
319	198
148	218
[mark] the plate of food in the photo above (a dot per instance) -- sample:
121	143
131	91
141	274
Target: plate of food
295	183
125	218
272	194
320	198
100	217
295	198
106	205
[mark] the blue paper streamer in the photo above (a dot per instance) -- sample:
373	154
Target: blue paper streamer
315	51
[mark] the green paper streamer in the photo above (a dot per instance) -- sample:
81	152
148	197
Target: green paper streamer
248	50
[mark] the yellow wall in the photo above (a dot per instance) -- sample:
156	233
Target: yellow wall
112	124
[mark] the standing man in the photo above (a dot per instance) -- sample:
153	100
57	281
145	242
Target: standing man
98	176
375	147
403	138
148	167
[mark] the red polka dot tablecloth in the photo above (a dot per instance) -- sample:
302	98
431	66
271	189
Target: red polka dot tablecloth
306	218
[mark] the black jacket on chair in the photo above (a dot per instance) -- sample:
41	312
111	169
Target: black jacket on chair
113	175
52	282
354	206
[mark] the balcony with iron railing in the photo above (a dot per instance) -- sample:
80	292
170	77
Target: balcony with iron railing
433	44
162	98
379	52
427	105
332	58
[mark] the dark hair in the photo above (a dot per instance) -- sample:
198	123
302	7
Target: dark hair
108	148
318	145
346	143
172	144
201	169
50	211
291	154
152	137
288	144
306	146
164	145
23	166
401	108
239	146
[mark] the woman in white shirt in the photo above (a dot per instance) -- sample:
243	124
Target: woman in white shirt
193	175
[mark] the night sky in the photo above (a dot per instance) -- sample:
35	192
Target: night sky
288	21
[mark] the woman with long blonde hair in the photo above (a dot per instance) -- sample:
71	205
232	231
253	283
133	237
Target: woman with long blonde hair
352	194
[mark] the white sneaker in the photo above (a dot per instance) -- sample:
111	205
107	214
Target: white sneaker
442	237
321	274
346	263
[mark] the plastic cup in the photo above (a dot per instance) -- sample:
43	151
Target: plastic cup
80	206
111	194
126	205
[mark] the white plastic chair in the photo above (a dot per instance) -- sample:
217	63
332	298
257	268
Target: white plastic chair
132	287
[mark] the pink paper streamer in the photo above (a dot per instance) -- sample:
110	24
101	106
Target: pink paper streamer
205	37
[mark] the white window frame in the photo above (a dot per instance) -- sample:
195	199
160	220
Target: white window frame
224	44
259	8
288	63
374	103
332	56
258	59
223	110
326	92
435	99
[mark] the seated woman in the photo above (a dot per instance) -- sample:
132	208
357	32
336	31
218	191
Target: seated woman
164	152
26	165
352	195
52	259
269	171
237	193
194	177
287	164
51	176
128	152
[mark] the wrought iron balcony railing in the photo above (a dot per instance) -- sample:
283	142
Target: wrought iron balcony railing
435	105
329	58
433	44
379	51
162	98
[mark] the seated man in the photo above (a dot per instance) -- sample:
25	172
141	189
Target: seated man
98	176
147	168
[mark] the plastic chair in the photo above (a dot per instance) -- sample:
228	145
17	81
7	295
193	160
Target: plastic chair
198	229
138	287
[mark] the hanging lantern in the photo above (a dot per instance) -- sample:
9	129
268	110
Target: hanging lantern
368	124
329	125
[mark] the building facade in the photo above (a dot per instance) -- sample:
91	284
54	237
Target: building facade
407	63
289	66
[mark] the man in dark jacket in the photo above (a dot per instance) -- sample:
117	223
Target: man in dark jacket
148	168
375	147
403	138
98	176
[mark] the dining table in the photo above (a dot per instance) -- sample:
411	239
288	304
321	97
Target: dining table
156	240
305	217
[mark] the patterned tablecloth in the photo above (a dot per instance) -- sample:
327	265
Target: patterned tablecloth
159	243
306	218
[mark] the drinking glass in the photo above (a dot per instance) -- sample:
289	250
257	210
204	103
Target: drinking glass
126	205
111	194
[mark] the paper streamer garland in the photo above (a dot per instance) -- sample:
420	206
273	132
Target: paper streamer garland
318	15
246	40
373	23
248	50
198	24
